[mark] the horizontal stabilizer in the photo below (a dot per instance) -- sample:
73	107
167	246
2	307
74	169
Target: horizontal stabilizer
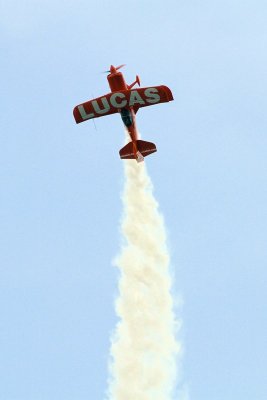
131	150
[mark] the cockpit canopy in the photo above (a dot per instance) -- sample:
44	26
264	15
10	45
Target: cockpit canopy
126	117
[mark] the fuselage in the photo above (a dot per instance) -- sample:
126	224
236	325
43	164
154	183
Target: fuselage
117	83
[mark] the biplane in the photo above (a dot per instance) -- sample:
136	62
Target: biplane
125	100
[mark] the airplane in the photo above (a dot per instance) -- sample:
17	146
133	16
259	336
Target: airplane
126	101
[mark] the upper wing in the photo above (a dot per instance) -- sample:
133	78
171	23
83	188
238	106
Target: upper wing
113	102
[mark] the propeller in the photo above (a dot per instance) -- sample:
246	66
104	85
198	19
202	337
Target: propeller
120	66
113	69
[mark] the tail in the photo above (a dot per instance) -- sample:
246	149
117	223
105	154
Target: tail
137	150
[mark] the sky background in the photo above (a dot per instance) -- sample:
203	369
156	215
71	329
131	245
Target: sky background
61	184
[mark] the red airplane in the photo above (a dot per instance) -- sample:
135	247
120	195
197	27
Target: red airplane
126	101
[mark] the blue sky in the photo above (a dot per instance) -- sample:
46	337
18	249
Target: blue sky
61	183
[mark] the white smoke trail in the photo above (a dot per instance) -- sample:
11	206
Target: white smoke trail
144	349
